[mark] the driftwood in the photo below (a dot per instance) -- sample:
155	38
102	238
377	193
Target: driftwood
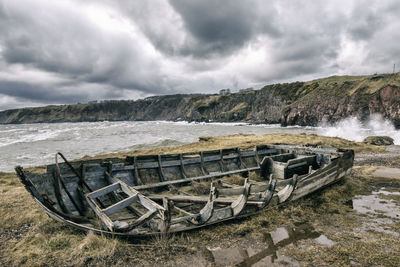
145	195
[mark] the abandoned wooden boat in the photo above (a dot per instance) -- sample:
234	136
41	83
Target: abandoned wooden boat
151	194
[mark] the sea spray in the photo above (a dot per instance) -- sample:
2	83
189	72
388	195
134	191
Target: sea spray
352	128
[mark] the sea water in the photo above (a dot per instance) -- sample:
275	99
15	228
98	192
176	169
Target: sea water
36	144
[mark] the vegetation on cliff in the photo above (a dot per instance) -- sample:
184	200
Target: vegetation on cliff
297	103
337	97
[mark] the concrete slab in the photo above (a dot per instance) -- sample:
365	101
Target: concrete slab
387	173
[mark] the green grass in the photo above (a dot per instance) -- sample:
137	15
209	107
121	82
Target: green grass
339	86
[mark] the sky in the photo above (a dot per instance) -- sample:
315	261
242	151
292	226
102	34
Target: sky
62	52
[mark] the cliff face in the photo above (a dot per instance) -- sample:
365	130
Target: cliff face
253	106
298	103
358	97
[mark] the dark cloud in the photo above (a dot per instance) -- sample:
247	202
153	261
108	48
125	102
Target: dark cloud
74	51
365	24
216	27
64	41
201	28
68	93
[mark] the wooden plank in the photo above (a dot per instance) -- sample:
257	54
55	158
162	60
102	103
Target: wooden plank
148	215
254	188
120	205
200	199
257	156
285	193
296	165
105	220
182	211
145	201
184	176
241	163
315	183
221	161
104	190
196	160
136	172
149	186
184	218
120	198
202	163
160	170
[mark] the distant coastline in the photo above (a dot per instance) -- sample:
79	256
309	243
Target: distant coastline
299	103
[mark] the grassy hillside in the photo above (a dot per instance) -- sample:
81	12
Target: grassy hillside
338	97
302	103
335	85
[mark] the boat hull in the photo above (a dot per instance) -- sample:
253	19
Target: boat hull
147	195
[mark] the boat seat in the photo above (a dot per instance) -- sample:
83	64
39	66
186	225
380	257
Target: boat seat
134	196
287	165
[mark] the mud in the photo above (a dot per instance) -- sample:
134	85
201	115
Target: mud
387	173
373	204
265	252
390	158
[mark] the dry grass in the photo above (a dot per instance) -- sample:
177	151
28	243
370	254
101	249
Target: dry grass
28	237
373	85
47	242
366	249
234	179
251	140
200	187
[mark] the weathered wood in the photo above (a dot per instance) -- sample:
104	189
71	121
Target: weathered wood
107	222
182	210
118	184
238	205
160	169
206	212
254	188
139	181
286	192
104	190
149	186
184	175
120	205
200	199
202	163
147	216
130	191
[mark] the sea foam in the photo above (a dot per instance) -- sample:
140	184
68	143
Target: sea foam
353	129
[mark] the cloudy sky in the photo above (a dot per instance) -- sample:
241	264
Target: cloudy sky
56	52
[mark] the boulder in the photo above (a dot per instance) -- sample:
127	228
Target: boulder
379	140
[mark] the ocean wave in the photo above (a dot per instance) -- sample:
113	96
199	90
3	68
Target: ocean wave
27	137
353	129
163	142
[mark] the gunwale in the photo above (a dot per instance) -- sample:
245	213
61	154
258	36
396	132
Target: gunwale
338	165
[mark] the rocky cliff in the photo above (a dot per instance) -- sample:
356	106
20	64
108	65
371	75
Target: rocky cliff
335	98
260	106
298	103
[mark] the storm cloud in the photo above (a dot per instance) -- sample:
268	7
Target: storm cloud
57	52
